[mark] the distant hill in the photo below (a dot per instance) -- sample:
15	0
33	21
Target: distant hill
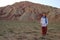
28	11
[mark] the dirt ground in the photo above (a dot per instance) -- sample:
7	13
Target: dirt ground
14	30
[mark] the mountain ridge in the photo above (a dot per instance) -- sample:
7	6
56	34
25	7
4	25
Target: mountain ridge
26	10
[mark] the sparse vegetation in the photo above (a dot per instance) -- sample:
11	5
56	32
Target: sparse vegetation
16	30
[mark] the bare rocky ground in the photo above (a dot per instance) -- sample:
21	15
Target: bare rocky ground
28	11
15	30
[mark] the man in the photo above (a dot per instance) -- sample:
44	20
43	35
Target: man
44	23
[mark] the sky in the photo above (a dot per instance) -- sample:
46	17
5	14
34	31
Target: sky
54	3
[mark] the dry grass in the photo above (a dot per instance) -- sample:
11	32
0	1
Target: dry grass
15	30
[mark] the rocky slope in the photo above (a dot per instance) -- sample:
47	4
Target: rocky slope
28	11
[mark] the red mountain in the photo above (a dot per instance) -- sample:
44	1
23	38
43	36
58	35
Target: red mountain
28	11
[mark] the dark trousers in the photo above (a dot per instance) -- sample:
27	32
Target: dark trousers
44	31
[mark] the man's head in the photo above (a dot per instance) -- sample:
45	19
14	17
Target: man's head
44	14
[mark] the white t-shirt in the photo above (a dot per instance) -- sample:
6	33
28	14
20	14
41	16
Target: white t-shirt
43	23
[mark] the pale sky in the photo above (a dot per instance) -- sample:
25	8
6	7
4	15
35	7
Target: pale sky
54	3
